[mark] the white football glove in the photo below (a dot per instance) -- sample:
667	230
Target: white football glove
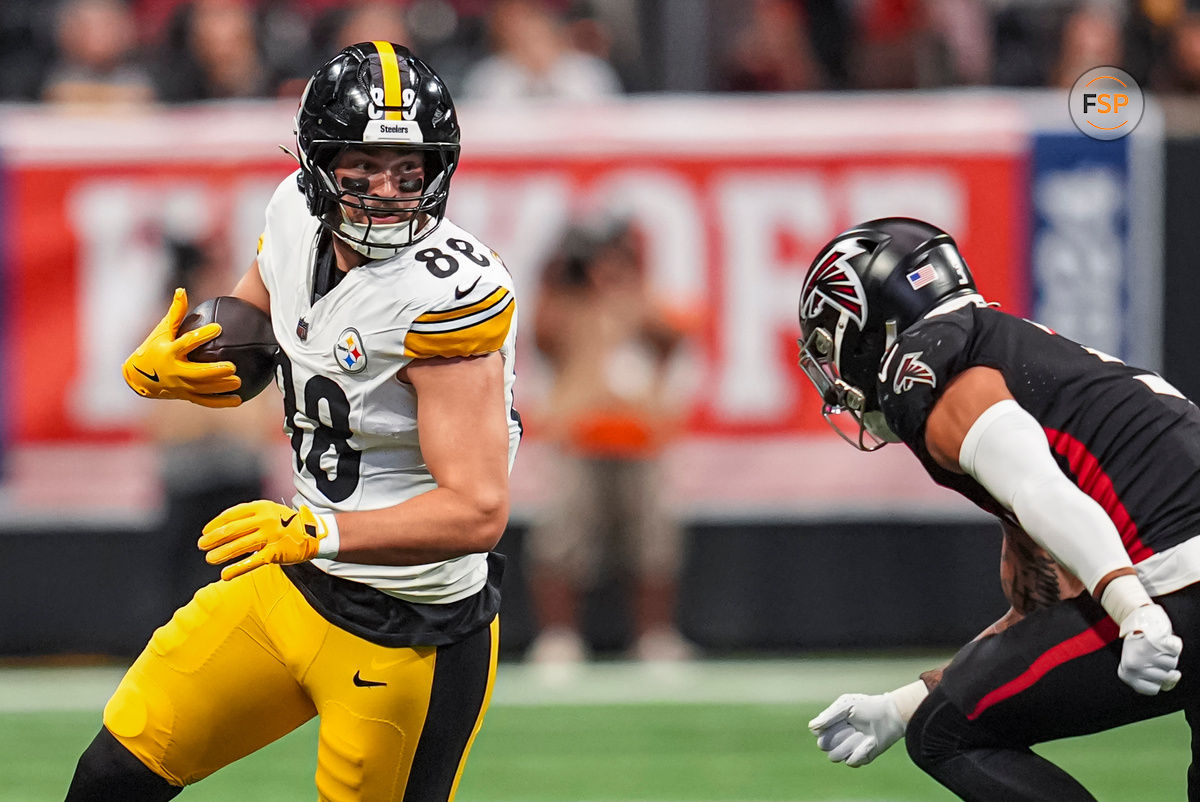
858	728
1150	651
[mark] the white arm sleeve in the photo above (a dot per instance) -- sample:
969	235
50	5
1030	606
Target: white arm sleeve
1006	451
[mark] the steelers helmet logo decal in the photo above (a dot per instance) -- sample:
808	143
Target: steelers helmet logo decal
349	352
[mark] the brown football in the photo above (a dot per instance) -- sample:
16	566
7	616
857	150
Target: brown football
246	340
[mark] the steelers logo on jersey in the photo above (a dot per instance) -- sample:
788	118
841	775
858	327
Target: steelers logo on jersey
349	352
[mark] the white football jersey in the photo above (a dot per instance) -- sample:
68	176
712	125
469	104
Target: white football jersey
352	422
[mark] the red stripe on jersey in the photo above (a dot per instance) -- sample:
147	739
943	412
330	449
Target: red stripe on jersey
1097	637
1092	480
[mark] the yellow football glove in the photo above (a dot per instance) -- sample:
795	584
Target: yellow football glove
268	532
159	368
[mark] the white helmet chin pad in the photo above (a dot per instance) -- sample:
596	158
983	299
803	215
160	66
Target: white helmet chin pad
385	238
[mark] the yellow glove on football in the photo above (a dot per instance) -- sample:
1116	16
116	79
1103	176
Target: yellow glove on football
268	532
159	368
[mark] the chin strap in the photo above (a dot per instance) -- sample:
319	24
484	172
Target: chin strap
289	152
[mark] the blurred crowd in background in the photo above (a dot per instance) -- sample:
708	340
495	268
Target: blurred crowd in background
612	404
177	51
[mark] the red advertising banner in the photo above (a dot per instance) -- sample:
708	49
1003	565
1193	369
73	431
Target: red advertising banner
731	214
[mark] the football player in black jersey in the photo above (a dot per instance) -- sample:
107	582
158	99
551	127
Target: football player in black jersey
1091	465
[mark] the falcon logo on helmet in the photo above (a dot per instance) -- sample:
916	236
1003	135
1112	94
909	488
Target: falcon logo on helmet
833	282
912	371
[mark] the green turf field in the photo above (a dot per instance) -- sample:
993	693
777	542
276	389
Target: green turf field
709	731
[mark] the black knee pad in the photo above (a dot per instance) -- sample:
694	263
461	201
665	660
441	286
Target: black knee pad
108	772
937	730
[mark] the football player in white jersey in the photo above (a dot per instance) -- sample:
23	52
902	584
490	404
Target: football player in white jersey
370	601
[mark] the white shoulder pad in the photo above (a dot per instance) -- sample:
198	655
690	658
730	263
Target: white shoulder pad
466	310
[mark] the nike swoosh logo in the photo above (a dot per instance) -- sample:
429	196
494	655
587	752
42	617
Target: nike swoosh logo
366	683
460	294
154	376
287	521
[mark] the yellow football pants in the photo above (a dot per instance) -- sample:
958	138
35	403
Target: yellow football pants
245	662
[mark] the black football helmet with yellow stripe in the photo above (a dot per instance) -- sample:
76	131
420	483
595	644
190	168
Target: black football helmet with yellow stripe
375	95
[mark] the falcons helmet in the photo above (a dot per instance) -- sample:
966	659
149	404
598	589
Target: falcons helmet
868	285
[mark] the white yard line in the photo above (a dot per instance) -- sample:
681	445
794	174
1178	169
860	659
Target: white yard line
767	681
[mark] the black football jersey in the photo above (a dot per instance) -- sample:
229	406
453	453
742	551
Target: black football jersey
1124	435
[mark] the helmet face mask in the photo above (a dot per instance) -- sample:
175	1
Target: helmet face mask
865	287
376	97
419	201
840	399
